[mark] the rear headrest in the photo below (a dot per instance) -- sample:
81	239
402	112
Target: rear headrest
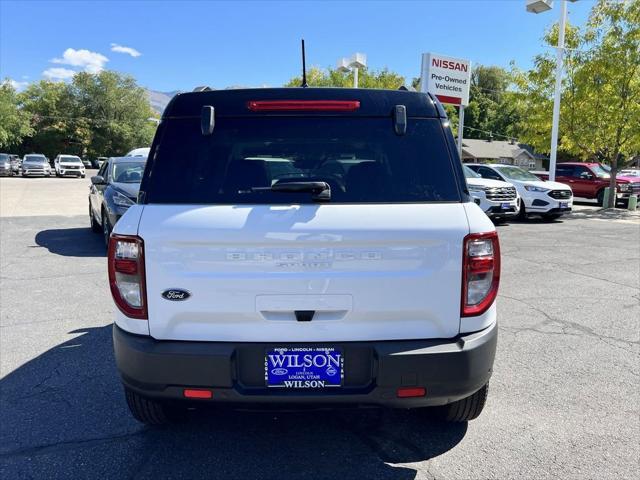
244	174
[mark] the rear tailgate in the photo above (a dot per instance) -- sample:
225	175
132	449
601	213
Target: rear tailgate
370	272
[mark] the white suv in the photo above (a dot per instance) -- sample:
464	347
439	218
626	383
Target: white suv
538	197
361	272
68	165
498	199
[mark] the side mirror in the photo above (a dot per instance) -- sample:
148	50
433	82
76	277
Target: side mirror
97	180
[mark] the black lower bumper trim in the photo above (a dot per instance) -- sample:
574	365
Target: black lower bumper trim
501	212
558	210
448	369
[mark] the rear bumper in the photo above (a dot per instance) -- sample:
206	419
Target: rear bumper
448	369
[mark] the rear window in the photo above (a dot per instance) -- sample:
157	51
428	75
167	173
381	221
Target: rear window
362	160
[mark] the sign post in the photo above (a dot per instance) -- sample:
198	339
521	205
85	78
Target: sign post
448	79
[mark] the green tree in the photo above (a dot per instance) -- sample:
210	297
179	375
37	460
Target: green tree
50	109
104	114
600	109
491	108
317	77
14	122
114	110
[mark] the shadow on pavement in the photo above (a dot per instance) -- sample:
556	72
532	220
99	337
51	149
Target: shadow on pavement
64	416
72	242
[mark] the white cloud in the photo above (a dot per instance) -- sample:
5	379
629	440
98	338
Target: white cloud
91	62
58	73
128	50
18	86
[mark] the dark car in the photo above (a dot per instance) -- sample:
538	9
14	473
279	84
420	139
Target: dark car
113	190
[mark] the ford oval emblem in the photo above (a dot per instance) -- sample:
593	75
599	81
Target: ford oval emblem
176	294
279	371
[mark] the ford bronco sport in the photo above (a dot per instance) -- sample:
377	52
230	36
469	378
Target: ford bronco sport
304	246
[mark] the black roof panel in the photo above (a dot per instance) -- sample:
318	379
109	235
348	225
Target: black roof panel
234	102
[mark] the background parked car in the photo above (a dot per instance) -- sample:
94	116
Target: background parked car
35	164
113	190
499	200
97	163
588	180
5	165
548	199
15	163
629	173
139	152
68	165
87	163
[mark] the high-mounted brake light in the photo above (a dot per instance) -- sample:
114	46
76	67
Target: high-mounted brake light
126	275
303	105
480	272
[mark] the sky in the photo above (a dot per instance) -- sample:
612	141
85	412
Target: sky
177	45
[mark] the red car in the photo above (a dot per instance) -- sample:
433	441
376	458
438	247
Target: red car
588	180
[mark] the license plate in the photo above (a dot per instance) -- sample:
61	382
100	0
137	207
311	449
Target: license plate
505	206
303	367
564	204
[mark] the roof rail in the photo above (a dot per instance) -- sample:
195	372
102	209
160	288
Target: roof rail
202	88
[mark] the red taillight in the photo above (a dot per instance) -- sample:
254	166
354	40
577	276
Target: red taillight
303	105
194	393
411	392
480	272
126	275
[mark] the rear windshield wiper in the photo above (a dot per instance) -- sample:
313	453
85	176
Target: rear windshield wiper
320	191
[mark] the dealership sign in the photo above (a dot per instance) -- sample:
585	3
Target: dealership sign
447	78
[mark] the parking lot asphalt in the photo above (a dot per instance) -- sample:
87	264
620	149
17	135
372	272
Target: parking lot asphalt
564	399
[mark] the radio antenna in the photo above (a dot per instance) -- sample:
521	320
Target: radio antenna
304	68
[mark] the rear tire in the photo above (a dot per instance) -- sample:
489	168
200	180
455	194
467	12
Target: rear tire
600	198
106	227
468	408
151	412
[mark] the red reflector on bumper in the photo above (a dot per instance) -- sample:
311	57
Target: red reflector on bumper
191	393
408	392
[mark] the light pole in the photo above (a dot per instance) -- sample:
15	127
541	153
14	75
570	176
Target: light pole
353	64
539	6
